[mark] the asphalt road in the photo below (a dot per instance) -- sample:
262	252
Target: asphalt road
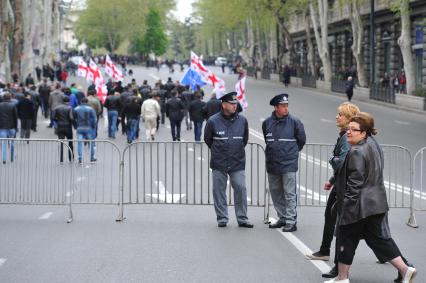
180	243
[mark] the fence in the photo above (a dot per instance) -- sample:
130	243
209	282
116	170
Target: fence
309	81
31	172
385	94
176	173
419	179
179	173
338	85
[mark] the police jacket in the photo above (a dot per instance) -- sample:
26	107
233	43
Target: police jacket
113	103
8	115
63	116
226	136
84	117
284	139
174	109
360	188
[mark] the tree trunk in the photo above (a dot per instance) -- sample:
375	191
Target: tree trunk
7	21
18	40
27	61
322	39
404	42
309	43
357	35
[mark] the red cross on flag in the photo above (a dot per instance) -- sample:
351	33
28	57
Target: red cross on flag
82	68
94	74
207	75
112	71
240	88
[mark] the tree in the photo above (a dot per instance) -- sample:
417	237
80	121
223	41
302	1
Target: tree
402	7
154	40
320	18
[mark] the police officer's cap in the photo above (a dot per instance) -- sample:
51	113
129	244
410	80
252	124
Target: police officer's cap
230	97
279	99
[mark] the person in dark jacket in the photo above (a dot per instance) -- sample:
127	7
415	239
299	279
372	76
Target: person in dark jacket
85	124
113	105
212	106
362	202
44	91
8	125
349	88
26	115
174	111
345	112
196	115
63	117
35	97
284	137
187	97
226	134
132	111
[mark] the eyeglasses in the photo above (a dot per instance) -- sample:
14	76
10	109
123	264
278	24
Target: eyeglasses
353	130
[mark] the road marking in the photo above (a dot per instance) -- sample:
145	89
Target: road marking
200	159
303	249
154	77
80	179
45	216
262	119
402	122
327	121
190	149
164	195
2	261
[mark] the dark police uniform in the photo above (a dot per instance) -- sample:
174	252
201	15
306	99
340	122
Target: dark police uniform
226	136
284	138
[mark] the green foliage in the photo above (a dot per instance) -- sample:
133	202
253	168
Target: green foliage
107	23
154	40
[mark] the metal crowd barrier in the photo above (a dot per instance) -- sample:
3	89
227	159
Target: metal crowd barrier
338	85
179	173
385	94
419	179
309	81
32	173
176	173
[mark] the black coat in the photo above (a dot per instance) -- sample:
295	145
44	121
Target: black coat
174	109
196	112
8	115
212	107
26	109
360	189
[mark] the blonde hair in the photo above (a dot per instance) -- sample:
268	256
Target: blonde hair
348	110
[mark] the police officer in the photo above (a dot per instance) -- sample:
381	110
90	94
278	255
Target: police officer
284	137
226	134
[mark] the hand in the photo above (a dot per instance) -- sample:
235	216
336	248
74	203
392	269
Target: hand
327	186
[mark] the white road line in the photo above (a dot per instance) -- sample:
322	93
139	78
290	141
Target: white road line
327	120
190	149
2	261
200	159
303	249
45	216
402	122
154	77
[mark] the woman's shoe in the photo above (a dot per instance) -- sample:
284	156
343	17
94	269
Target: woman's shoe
335	280
409	275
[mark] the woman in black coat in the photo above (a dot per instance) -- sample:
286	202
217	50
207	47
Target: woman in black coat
362	204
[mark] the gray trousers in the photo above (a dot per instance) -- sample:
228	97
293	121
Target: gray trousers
237	180
284	197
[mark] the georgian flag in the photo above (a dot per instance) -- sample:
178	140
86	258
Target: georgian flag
240	88
94	74
207	75
82	70
102	92
112	71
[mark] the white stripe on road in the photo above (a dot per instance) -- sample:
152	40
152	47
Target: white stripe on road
45	216
154	77
190	149
303	249
2	261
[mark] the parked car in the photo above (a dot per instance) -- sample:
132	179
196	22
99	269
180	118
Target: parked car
220	60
